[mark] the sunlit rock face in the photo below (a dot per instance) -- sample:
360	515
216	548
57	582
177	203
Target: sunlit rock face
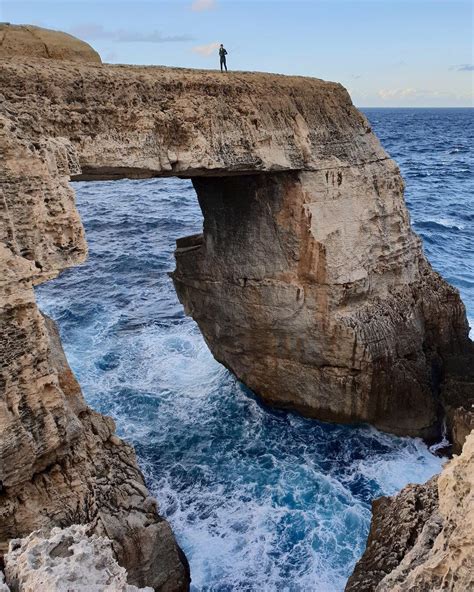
29	41
65	559
307	282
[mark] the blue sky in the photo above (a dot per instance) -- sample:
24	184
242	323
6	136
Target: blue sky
386	52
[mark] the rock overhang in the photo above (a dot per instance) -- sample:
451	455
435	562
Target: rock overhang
183	122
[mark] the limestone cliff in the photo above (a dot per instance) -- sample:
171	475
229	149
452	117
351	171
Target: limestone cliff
307	282
60	462
423	538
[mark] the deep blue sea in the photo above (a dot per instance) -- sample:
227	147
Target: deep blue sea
260	500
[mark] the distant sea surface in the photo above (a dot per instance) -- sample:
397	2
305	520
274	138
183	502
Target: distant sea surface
260	500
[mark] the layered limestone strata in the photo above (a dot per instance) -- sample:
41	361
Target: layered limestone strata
423	538
312	288
65	560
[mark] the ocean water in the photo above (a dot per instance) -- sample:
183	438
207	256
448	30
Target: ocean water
260	500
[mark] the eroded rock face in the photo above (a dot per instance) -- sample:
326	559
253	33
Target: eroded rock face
89	476
30	42
60	462
312	288
64	560
423	538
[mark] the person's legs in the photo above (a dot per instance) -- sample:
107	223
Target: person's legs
222	64
225	64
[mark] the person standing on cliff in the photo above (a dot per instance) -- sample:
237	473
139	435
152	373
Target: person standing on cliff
222	54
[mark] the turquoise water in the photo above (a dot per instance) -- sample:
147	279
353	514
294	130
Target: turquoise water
259	499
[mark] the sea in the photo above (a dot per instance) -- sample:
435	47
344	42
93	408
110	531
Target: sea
259	499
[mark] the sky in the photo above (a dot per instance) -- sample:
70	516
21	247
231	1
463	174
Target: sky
387	53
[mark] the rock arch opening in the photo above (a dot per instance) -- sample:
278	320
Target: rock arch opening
222	467
300	284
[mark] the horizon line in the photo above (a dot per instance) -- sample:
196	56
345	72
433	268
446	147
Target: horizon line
413	107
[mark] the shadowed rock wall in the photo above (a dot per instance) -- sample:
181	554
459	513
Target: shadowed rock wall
422	539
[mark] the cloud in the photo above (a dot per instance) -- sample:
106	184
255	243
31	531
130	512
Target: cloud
463	68
94	32
387	94
415	93
206	50
200	5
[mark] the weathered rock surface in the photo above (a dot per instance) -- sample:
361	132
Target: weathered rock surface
313	289
457	395
82	473
397	523
65	560
29	41
60	462
423	538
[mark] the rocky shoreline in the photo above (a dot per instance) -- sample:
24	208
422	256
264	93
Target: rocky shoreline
422	538
308	283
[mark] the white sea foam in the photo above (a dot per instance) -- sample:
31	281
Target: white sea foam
234	529
282	524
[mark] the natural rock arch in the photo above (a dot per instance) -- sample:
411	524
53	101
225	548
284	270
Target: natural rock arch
308	281
310	284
